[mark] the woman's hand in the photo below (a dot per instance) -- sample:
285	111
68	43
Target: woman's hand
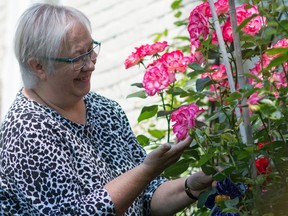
125	188
164	156
199	182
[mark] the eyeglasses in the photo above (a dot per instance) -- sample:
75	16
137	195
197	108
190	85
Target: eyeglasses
82	60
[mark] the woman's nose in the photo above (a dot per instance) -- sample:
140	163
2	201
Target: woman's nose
89	64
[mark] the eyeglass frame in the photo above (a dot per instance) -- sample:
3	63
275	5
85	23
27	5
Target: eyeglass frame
73	60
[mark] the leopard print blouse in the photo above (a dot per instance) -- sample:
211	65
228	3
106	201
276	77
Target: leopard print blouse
52	166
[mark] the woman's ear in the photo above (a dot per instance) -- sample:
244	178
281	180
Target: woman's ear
37	68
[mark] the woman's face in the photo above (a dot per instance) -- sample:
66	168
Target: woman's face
66	82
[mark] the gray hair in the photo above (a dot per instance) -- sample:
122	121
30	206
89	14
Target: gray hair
41	31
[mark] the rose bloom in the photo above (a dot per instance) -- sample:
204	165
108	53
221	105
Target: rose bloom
262	165
185	119
198	25
283	43
254	99
203	8
218	74
254	25
175	61
195	44
277	75
214	38
221	7
251	28
156	78
158	47
226	29
197	57
143	51
132	59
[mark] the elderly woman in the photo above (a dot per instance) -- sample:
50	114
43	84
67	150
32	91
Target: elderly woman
67	151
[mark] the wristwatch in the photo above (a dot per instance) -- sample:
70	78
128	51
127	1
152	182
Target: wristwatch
188	192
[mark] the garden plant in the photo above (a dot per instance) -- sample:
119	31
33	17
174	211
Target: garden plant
223	82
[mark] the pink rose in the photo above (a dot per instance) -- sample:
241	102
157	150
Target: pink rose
132	59
227	31
195	44
218	74
197	57
204	9
143	51
198	26
175	61
254	98
158	47
253	26
156	78
221	7
147	50
278	77
185	119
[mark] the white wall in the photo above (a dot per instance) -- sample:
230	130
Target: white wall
120	25
10	77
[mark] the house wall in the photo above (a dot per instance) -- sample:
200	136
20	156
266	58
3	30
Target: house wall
120	25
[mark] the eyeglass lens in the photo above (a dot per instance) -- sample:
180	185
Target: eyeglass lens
84	60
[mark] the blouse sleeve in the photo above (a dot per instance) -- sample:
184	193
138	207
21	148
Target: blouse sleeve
38	174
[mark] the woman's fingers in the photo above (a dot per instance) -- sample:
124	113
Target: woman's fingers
183	144
164	156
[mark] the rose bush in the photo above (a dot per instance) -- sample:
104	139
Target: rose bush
199	96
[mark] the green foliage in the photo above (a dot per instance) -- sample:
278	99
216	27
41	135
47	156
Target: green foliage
217	138
147	112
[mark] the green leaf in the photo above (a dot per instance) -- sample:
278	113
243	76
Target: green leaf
139	85
219	176
147	112
202	83
176	91
177	168
267	102
196	67
204	159
192	153
143	140
230	210
164	113
181	23
139	94
178	14
277	61
223	173
243	155
183	38
208	169
249	75
176	4
244	22
157	133
233	96
231	203
280	50
284	23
